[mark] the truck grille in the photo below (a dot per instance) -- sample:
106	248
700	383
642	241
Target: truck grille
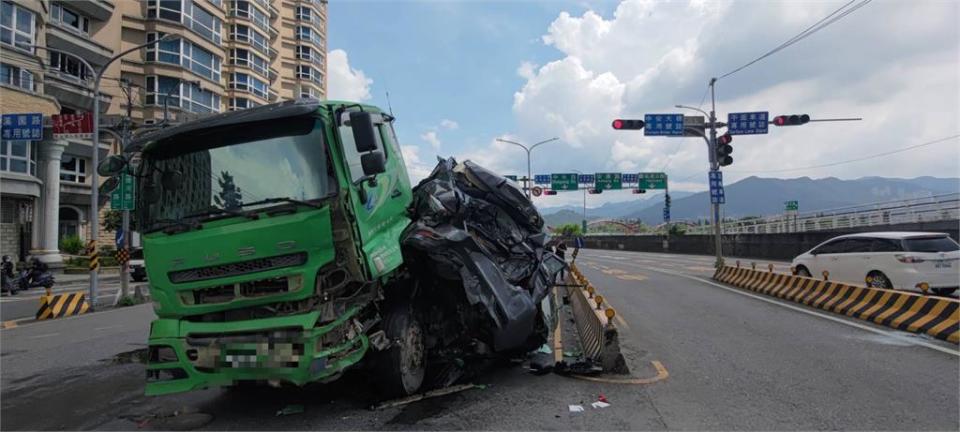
237	268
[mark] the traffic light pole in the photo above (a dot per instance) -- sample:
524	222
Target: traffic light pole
529	182
714	167
666	204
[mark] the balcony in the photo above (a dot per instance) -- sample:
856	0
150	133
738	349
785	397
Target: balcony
97	9
78	44
71	92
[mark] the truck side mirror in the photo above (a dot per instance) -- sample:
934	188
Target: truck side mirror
364	134
373	163
111	166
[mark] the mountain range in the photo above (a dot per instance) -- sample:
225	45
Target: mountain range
756	196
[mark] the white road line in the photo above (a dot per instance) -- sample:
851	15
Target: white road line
108	327
816	313
43	335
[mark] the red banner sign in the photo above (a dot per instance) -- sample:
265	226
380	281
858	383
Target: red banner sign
73	125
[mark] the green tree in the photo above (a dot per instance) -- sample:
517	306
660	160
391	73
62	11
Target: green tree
678	229
570	229
113	220
230	195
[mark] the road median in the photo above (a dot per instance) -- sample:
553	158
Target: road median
934	316
599	336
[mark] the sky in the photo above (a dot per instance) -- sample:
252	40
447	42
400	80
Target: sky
461	74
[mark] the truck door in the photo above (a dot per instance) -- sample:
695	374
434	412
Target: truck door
379	206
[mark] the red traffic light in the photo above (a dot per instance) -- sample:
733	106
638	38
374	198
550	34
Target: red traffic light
791	120
725	139
639	191
625	124
594	191
549	192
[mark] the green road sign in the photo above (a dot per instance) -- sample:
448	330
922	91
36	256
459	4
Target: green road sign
791	205
652	180
608	181
511	177
122	198
563	182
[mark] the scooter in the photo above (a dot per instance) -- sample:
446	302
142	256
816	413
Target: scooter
36	275
7	277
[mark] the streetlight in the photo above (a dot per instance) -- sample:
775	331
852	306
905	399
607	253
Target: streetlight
528	150
584	225
95	143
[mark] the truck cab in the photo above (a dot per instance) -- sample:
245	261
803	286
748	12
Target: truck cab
270	235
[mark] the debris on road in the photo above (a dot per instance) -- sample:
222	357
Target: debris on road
576	409
602	398
599	404
427	395
291	410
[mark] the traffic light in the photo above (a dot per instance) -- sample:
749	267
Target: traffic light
639	191
594	191
549	192
625	124
666	200
724	149
791	120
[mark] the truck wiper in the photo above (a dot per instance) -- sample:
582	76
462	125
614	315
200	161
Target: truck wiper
218	211
284	199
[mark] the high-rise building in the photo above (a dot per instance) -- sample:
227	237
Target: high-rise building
221	55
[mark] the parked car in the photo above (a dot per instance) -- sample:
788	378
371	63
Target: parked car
900	260
138	270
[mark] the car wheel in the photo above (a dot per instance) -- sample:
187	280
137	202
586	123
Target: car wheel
943	291
878	280
403	365
802	271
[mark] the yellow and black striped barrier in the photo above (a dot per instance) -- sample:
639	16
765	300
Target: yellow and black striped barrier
599	337
935	316
93	255
61	305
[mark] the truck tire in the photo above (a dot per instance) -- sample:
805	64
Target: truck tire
402	366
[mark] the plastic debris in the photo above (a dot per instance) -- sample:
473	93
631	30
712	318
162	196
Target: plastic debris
602	398
576	408
290	410
427	395
599	404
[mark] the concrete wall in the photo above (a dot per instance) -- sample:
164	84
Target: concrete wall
760	246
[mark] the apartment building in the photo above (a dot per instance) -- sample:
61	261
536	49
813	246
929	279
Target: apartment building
222	55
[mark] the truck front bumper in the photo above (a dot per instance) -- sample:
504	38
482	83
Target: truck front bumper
186	355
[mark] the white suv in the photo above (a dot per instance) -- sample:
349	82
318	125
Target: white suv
902	260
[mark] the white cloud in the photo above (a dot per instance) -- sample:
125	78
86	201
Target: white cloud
431	138
416	169
345	82
651	55
449	124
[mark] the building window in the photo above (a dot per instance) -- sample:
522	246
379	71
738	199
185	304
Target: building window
187	95
17	27
308	34
194	58
16	77
68	66
304	13
303	52
189	14
242	57
246	34
73	169
243	9
18	156
310	92
245	82
69	19
307	72
241	103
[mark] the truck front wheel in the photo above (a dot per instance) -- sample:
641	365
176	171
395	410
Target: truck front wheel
402	365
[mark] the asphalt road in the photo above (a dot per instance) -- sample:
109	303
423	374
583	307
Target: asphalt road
734	362
25	303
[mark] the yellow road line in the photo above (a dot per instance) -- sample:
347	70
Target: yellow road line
661	375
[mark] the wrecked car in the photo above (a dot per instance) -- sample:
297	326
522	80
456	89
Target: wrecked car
285	245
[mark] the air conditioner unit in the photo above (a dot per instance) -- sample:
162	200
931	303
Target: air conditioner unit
149	122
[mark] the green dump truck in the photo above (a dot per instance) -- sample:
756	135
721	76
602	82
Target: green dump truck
275	246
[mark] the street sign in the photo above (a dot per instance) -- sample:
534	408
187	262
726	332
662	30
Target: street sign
716	188
119	238
666	214
122	198
511	177
663	125
652	180
693	126
562	182
607	181
22	126
585	178
629	178
73	125
747	123
791	205
537	191
541	179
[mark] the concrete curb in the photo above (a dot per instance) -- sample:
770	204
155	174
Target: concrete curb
599	337
935	316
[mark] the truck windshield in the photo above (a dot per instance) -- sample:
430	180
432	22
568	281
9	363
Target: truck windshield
232	174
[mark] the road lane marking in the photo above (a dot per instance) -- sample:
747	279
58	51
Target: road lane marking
43	335
661	375
816	313
632	277
108	327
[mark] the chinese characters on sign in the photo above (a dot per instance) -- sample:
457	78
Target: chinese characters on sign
607	181
541	179
652	180
23	127
748	123
560	182
73	126
663	125
585	178
716	188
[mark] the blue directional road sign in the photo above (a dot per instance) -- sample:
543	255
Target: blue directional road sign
666	214
748	123
663	125
585	178
541	179
716	188
630	178
22	126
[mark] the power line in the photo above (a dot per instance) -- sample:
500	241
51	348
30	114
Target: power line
874	156
819	25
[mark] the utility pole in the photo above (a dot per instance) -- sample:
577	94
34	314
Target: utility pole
583	224
715	166
527	184
666	211
125	229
